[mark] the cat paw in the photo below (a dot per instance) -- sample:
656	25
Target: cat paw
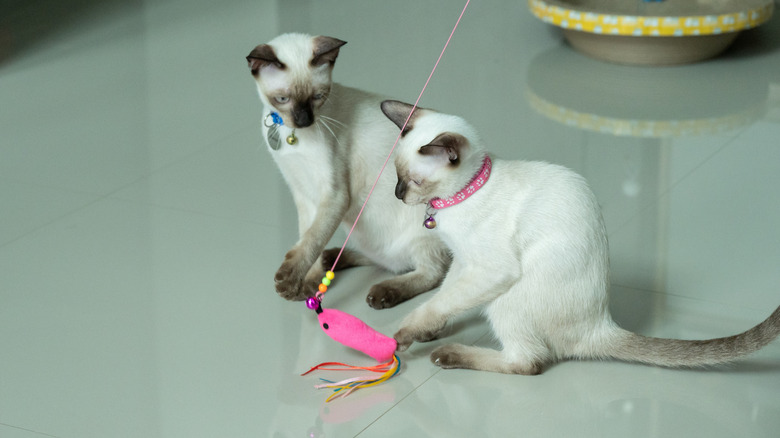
403	339
406	336
383	297
448	356
289	278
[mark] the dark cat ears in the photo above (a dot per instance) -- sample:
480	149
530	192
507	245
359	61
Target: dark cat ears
448	145
326	50
398	112
261	56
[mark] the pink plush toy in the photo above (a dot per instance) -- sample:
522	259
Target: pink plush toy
354	333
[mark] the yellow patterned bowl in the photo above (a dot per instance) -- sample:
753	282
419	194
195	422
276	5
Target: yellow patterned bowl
652	32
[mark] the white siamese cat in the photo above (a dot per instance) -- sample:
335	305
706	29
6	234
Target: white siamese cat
329	142
528	241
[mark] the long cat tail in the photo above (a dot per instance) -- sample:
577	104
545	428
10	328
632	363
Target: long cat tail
631	347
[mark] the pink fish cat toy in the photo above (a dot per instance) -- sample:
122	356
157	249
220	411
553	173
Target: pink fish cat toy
354	333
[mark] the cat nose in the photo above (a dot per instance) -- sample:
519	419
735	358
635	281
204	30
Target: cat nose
303	116
400	189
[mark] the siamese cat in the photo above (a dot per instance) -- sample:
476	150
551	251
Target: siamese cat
330	141
528	241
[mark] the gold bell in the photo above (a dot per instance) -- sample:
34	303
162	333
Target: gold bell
292	139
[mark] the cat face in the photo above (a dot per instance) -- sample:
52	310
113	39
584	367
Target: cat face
435	153
293	74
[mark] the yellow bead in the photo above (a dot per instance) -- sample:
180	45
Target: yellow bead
330	275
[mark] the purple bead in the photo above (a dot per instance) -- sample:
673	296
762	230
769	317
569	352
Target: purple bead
430	223
312	303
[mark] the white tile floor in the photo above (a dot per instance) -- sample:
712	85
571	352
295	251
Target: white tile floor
142	221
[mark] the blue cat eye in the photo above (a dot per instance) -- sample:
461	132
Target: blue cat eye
282	99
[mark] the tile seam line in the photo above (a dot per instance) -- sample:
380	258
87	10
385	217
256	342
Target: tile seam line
717	303
365	429
434	374
28	430
112	195
128	202
682	179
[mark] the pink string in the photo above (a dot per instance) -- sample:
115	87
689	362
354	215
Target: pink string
370	192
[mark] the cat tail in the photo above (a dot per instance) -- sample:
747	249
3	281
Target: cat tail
631	347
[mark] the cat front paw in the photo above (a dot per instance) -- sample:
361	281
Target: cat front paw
289	278
384	297
406	336
403	339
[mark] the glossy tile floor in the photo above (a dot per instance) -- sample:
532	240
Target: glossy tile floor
143	219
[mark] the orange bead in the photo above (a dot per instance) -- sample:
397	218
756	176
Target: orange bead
323	288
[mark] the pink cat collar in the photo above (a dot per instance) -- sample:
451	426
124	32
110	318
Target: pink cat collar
476	183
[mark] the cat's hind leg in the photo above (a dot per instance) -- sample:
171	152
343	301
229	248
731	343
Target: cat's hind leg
484	359
349	259
523	349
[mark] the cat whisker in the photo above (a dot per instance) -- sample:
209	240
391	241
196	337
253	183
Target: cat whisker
324	121
327	100
325	125
319	130
331	119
